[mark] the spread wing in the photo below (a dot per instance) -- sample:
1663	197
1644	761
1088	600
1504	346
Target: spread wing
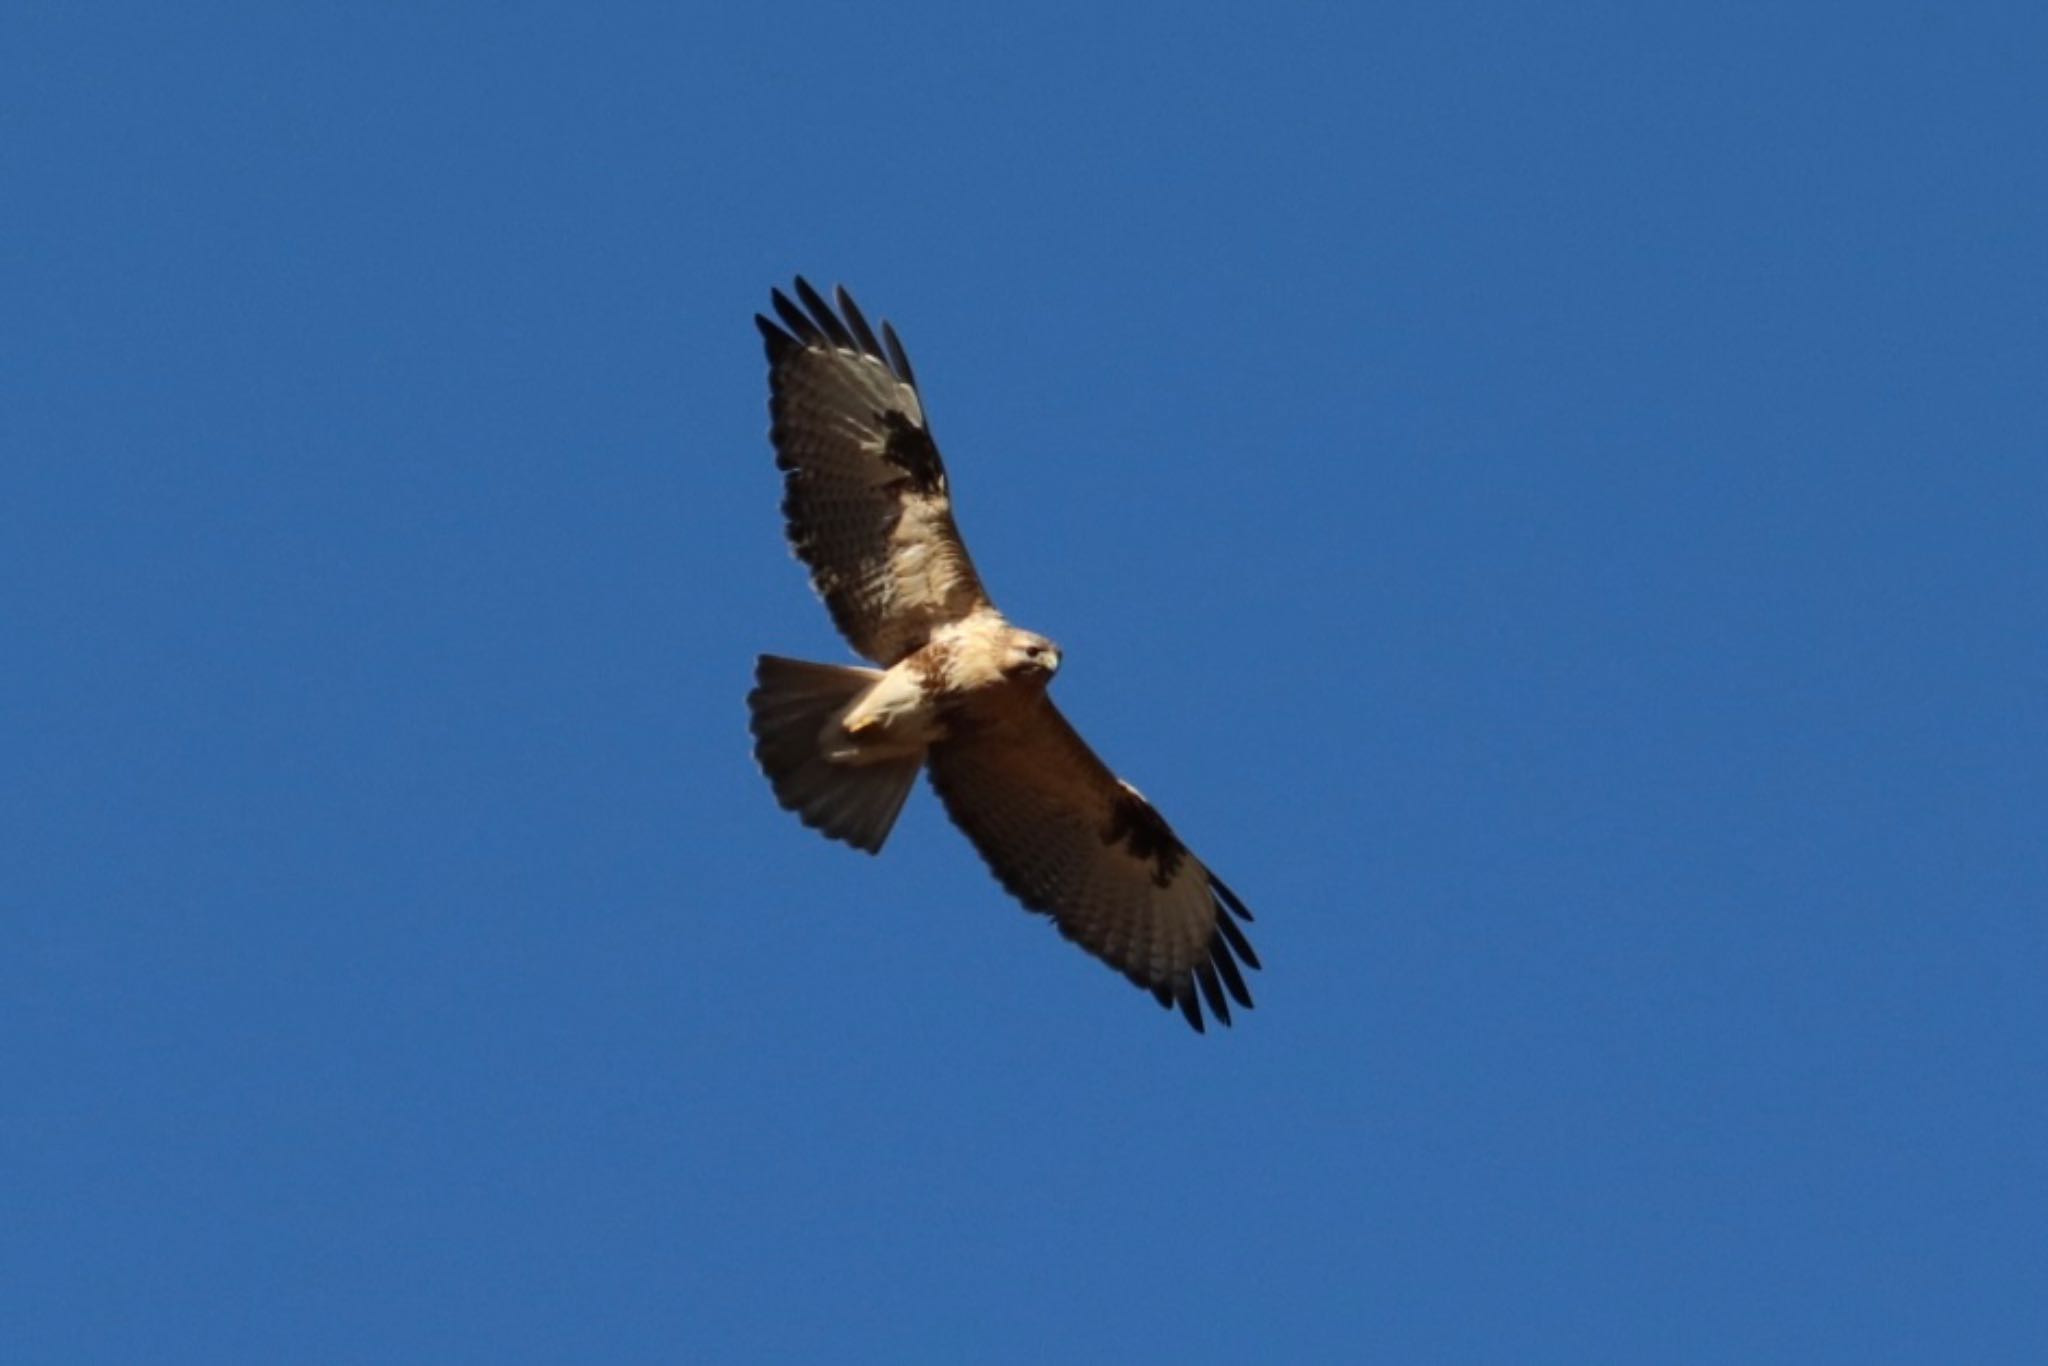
1067	837
864	491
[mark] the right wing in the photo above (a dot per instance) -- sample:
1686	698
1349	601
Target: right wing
1070	839
865	491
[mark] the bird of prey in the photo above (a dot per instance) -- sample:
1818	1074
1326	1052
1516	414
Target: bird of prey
958	692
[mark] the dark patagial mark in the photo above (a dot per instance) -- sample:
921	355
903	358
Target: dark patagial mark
1145	835
911	449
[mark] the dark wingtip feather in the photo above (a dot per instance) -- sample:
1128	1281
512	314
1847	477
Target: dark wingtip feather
1212	992
779	342
857	320
1229	898
1238	943
821	313
1232	978
1190	1007
897	359
800	324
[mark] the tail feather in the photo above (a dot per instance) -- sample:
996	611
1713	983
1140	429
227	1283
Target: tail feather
791	702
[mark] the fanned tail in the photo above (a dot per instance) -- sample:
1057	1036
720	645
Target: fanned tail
791	703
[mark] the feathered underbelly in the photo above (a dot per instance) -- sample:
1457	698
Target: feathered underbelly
896	717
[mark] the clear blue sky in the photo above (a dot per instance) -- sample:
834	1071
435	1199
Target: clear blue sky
1550	500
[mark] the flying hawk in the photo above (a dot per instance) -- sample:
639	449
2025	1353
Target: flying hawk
959	692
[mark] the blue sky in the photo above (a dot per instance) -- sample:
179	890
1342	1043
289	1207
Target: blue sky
1549	501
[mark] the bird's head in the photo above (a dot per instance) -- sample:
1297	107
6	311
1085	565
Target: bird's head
1031	656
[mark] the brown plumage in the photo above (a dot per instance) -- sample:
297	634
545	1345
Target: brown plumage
960	693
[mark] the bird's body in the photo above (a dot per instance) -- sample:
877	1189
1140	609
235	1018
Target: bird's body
972	675
959	692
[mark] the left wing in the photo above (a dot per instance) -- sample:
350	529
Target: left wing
1070	839
865	491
